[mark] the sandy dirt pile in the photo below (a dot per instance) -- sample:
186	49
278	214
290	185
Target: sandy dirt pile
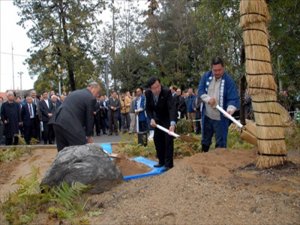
219	187
213	188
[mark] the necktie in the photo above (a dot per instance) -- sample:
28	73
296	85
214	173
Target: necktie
30	110
155	99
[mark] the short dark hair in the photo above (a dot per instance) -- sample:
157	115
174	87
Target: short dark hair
151	81
217	60
140	89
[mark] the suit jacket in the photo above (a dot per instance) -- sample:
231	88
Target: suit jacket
44	110
75	115
11	113
55	106
25	114
164	111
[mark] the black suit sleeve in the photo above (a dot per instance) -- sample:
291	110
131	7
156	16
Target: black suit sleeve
23	112
149	104
90	117
171	106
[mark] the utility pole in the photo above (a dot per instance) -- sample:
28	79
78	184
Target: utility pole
21	89
106	77
114	41
13	66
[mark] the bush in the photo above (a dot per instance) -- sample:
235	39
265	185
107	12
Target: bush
184	126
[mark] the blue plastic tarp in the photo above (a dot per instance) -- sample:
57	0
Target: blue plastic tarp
147	162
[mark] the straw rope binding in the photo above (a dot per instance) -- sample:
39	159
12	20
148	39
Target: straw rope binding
262	87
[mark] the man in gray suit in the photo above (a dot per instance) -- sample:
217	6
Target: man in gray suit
74	119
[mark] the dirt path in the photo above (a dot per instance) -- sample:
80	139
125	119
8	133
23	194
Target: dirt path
12	171
42	159
219	187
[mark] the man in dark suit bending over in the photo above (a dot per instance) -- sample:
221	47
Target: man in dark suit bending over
74	120
161	110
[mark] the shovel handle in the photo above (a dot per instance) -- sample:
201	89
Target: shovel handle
167	131
229	116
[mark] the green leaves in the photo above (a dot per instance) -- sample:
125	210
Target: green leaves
61	202
65	194
62	33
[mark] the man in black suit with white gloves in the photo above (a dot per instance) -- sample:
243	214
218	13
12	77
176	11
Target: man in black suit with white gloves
74	120
161	109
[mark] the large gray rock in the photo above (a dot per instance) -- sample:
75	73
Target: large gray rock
87	164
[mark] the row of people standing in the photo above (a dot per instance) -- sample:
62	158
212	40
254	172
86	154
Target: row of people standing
28	117
120	113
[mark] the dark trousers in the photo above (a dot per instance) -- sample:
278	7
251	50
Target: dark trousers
11	140
125	121
48	133
29	131
1	133
198	124
103	124
113	121
164	146
65	138
143	126
211	127
38	128
97	123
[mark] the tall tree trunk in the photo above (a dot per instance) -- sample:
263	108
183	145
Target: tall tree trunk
69	58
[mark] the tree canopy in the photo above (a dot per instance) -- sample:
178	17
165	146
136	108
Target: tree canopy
172	39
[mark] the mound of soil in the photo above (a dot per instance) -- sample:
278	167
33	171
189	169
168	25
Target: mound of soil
218	187
129	167
207	188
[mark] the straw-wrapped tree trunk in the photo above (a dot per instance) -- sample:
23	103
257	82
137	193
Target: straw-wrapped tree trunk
261	84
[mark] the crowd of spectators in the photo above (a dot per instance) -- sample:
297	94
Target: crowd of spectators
28	117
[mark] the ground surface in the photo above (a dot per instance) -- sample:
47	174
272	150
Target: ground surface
219	187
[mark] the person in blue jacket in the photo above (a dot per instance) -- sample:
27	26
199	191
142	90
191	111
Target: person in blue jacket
140	109
217	87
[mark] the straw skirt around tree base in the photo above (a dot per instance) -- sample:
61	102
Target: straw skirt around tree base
261	84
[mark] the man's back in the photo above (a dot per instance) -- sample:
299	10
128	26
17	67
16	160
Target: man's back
76	112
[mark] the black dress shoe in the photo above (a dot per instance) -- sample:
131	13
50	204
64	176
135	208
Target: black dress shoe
158	165
167	168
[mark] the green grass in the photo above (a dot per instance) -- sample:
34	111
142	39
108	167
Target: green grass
63	203
292	137
129	144
13	153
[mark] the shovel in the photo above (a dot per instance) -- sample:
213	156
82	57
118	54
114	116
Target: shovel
247	131
182	137
111	155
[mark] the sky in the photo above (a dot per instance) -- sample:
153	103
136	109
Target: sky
13	36
13	39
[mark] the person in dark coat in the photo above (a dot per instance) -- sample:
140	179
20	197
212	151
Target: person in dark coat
103	114
113	105
11	117
97	116
161	110
28	114
181	105
197	108
36	101
46	112
55	105
74	120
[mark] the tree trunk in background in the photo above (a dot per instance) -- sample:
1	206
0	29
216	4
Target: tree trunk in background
68	54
